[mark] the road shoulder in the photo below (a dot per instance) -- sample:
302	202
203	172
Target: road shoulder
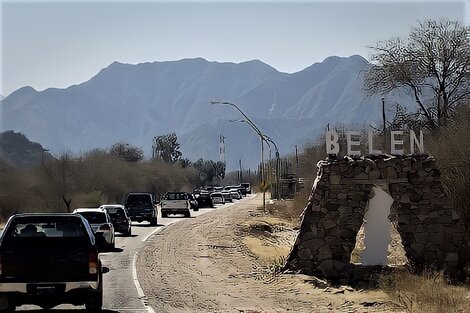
224	261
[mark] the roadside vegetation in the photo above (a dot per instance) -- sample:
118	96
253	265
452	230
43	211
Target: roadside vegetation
101	176
436	57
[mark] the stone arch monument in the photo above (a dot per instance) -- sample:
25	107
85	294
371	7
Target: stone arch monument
432	233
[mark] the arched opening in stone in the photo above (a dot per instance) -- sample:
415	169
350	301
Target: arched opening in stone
378	241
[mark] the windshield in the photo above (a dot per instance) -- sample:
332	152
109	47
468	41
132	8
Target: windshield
115	210
175	196
94	217
64	227
132	199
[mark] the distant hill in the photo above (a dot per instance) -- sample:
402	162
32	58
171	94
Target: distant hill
134	103
17	150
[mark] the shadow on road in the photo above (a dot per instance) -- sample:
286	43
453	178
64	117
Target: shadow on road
64	311
115	250
146	225
125	236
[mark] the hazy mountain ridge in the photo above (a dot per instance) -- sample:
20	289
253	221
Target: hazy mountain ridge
134	103
17	150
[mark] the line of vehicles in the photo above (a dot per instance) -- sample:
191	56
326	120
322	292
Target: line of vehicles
47	259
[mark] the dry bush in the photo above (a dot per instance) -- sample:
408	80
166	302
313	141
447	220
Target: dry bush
94	178
301	200
451	147
427	292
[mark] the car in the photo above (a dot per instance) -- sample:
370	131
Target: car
235	193
141	206
101	225
193	202
119	218
47	259
247	187
227	196
242	190
175	203
204	200
217	198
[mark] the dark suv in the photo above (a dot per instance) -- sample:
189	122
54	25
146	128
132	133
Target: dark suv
119	218
47	260
140	206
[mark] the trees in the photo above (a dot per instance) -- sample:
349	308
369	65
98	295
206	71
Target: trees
208	170
433	61
166	147
127	152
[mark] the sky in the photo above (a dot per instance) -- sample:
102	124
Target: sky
58	43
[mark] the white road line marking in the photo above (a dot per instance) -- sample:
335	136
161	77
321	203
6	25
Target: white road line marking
140	291
158	229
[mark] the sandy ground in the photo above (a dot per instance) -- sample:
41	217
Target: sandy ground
224	261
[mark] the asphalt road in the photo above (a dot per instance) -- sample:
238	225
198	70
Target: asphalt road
122	291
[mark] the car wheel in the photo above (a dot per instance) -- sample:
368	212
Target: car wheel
128	233
6	305
94	302
164	214
196	209
187	214
153	222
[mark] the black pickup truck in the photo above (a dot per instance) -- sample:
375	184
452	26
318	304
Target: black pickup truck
47	260
140	206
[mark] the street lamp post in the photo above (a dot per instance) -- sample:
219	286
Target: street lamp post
261	136
268	140
42	158
277	165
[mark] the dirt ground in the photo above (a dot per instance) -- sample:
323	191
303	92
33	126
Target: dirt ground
225	261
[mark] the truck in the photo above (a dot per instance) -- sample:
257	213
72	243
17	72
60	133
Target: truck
141	206
47	259
175	203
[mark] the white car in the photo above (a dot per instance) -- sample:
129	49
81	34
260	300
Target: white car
100	223
235	193
217	198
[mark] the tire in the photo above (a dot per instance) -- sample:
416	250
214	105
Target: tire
128	233
187	214
153	222
94	301
10	306
164	214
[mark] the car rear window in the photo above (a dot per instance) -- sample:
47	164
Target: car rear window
94	217
66	228
113	210
175	196
138	198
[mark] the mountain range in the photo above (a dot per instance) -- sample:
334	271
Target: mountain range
134	103
16	150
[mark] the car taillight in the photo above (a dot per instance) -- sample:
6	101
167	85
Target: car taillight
105	227
93	263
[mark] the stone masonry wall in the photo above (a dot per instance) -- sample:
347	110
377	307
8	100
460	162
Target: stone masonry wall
432	233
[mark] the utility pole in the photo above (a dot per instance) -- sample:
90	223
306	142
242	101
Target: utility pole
297	168
222	148
43	158
241	172
262	139
384	132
